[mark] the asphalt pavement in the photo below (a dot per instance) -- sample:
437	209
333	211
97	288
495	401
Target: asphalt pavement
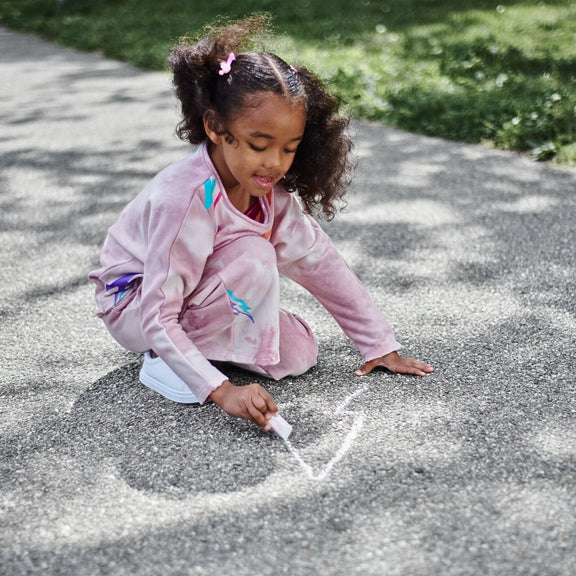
470	252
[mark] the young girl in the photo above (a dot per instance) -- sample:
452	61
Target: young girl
190	272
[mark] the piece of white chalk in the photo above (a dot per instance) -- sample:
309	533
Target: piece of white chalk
280	426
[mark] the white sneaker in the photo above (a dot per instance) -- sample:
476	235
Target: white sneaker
156	374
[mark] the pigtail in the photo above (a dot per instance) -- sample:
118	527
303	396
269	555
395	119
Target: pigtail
195	66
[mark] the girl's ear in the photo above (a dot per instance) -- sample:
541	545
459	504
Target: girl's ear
212	126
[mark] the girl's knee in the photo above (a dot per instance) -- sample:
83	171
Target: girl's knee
298	347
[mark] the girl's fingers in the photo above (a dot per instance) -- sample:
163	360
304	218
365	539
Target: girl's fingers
264	402
258	417
412	366
271	406
426	368
259	406
419	368
397	365
251	402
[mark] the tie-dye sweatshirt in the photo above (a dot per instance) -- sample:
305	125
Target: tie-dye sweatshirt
163	242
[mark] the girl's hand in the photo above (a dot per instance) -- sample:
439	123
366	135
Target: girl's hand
396	364
251	402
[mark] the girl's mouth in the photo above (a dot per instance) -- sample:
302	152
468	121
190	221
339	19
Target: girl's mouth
265	182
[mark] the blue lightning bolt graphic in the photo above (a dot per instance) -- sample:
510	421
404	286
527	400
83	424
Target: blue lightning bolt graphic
239	306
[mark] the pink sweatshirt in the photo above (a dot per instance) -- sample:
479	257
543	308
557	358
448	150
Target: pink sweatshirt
160	248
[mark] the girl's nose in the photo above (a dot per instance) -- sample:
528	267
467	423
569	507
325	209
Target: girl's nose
273	159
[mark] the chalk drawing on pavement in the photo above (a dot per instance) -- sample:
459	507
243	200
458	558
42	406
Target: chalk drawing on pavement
357	425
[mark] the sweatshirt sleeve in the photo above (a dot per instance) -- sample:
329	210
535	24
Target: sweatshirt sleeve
180	240
307	256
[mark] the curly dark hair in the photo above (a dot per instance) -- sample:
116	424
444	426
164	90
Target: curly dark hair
322	166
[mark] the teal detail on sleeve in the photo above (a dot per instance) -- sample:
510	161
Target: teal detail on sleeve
209	187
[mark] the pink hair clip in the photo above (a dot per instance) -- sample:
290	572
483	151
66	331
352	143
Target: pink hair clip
295	70
226	66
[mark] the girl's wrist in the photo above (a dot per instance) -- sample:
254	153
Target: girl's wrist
221	392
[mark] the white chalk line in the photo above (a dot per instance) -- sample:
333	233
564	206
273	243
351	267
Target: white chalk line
340	409
357	425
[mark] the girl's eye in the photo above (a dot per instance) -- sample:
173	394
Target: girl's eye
264	148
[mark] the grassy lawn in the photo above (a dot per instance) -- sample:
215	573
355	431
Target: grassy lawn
467	70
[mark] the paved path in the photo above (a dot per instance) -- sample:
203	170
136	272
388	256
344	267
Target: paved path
470	252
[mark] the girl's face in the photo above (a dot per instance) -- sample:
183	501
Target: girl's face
265	137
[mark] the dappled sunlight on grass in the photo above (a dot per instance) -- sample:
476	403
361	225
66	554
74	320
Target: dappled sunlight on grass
503	74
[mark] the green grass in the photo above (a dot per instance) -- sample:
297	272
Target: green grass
467	70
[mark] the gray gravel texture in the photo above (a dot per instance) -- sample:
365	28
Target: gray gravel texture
470	471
